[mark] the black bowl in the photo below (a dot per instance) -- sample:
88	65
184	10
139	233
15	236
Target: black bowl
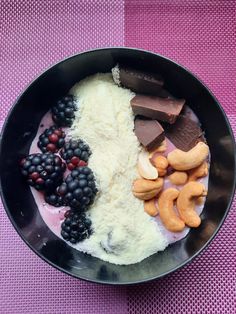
20	129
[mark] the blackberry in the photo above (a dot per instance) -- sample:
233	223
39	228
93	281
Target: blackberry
75	153
63	112
79	189
54	199
51	140
76	227
43	171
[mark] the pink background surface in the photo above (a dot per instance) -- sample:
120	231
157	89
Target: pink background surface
198	34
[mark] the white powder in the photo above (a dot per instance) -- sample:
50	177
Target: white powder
123	232
116	74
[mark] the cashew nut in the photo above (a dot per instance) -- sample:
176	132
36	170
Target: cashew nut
160	149
187	200
150	207
166	210
178	177
161	163
180	160
200	200
146	195
198	172
147	189
145	168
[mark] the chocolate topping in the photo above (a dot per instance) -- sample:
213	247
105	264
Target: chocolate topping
185	133
139	81
149	132
164	109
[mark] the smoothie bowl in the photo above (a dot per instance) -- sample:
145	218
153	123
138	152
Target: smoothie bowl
117	166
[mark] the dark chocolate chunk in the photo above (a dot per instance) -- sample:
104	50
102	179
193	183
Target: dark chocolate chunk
185	133
163	93
139	81
164	109
149	132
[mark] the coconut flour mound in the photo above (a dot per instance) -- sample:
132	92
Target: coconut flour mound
123	232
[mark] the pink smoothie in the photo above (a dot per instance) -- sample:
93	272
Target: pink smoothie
53	216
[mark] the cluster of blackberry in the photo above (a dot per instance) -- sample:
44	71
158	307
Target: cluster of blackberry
63	112
44	171
51	140
79	188
75	153
76	227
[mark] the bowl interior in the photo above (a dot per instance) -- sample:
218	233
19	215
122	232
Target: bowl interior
21	127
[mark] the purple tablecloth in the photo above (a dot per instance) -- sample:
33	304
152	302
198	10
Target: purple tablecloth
198	34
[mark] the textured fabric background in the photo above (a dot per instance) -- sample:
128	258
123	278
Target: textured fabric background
198	34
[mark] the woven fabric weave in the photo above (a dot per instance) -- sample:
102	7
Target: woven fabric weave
199	35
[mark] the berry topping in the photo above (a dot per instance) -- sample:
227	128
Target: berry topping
79	189
63	112
76	227
54	199
43	171
75	153
51	140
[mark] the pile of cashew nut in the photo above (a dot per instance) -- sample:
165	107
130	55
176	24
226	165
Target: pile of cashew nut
187	168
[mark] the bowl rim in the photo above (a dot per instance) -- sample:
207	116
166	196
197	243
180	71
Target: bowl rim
98	281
